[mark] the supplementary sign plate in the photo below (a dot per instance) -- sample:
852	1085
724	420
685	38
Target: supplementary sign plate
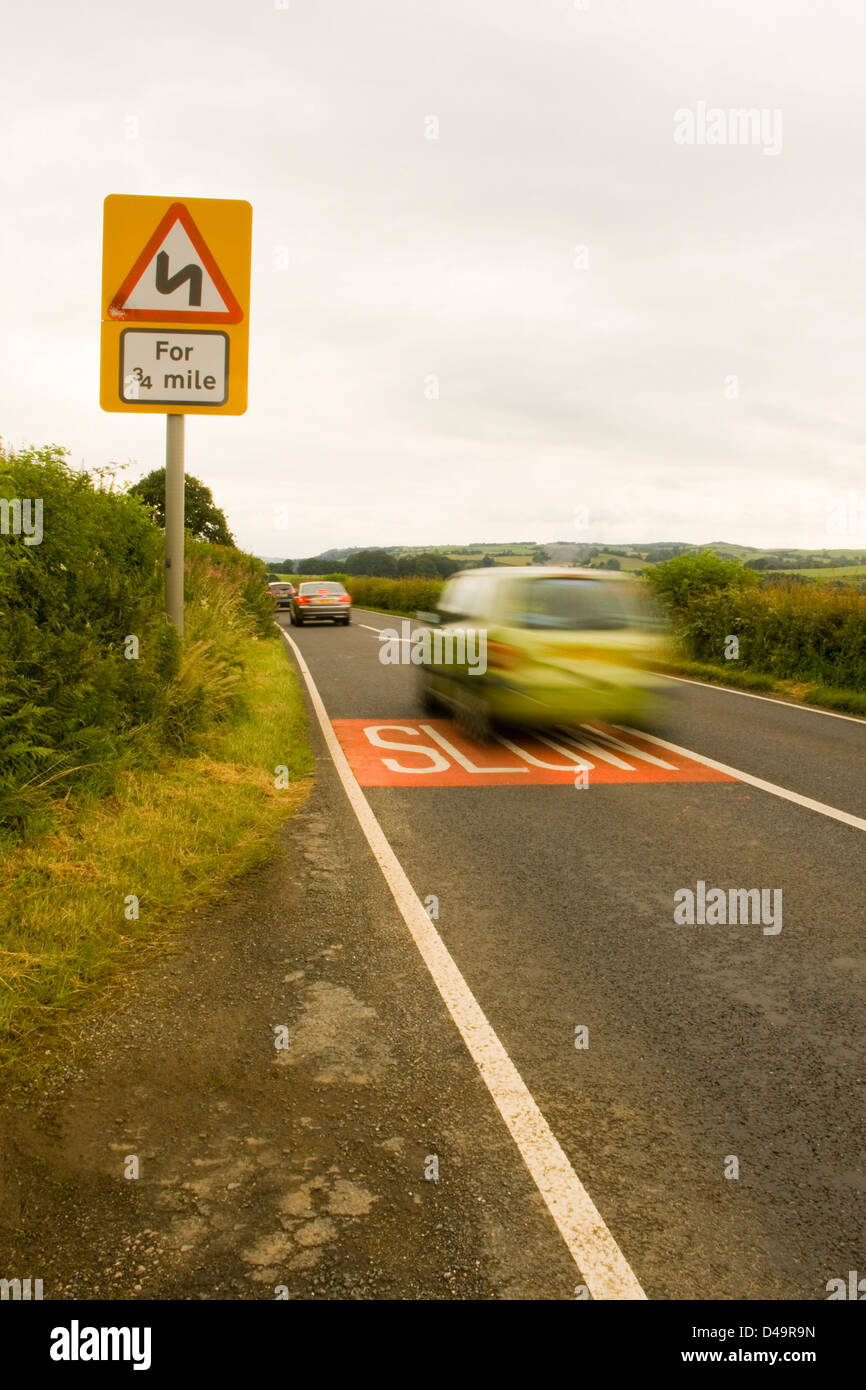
174	369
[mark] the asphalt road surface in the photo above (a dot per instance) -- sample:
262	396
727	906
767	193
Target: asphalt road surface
706	1083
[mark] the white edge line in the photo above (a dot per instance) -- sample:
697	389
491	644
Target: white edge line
769	699
601	1263
772	787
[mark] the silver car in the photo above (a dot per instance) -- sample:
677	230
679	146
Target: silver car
318	599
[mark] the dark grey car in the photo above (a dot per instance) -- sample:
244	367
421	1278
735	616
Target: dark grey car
282	593
318	599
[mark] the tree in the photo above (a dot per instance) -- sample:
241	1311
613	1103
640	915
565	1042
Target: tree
202	517
377	562
679	580
446	566
762	562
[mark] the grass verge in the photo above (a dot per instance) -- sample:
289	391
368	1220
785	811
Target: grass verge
174	836
797	692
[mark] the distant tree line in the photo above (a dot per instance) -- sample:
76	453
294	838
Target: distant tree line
385	564
381	563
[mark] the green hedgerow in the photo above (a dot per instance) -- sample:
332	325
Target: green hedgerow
73	706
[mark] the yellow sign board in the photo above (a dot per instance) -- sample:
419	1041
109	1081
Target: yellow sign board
175	305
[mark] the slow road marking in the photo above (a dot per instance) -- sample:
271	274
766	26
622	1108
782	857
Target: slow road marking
602	1265
433	753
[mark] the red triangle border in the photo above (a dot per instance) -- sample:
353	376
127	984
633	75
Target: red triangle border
178	212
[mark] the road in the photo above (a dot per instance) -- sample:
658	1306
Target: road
509	1072
713	1050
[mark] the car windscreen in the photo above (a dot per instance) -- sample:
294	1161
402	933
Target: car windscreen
323	588
582	605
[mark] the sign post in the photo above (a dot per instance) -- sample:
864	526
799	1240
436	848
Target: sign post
174	499
175	328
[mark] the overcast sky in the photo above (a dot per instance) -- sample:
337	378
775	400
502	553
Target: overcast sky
696	373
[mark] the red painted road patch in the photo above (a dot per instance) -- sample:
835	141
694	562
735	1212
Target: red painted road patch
433	753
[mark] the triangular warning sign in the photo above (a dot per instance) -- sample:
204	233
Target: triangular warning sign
176	279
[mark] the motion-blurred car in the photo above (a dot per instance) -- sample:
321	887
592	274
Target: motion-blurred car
321	599
282	593
549	646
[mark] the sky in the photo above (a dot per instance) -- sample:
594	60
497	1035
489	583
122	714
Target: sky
517	273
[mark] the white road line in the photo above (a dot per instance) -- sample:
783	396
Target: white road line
602	1265
772	787
382	630
770	699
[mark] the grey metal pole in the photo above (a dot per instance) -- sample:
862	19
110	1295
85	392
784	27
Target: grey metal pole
174	500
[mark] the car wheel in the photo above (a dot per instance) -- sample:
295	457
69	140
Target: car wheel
299	622
473	719
346	621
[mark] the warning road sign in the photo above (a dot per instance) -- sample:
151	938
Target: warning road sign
174	264
176	278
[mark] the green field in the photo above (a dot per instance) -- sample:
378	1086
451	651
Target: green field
837	572
471	561
626	562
